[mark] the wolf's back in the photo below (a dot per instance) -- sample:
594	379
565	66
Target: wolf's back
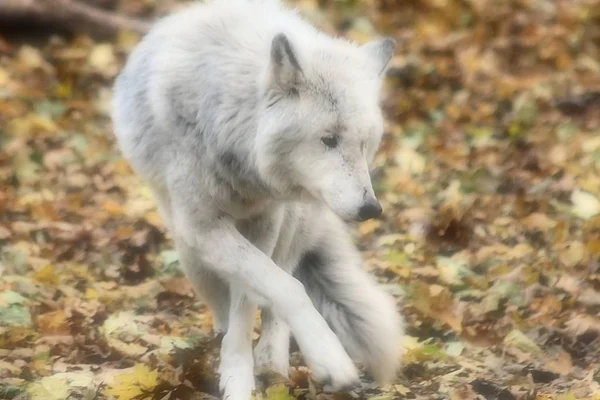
200	64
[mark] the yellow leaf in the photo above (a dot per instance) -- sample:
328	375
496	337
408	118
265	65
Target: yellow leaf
154	219
279	392
122	167
113	207
134	383
64	90
4	77
127	40
567	396
61	386
91	294
47	275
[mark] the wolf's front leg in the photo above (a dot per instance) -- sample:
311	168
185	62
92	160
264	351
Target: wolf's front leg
237	363
223	247
210	288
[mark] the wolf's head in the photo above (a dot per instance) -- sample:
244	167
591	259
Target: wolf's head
321	124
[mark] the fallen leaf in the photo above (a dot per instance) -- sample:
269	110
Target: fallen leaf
47	275
585	205
53	323
136	383
278	392
519	340
575	253
454	349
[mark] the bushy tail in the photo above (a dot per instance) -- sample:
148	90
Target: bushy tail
364	318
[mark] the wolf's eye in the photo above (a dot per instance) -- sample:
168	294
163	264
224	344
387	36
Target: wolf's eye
330	141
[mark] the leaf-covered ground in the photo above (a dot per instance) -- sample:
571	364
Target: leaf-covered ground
490	240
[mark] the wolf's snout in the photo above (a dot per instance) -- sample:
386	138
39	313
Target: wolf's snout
369	210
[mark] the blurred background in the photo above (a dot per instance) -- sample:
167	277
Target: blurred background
488	174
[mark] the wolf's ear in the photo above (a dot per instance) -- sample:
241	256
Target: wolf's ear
286	73
380	52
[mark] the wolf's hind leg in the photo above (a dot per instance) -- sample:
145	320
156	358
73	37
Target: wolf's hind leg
364	318
273	349
211	289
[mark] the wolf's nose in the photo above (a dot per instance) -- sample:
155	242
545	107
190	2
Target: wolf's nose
369	210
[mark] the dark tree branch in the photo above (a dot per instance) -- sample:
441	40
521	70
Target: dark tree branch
71	15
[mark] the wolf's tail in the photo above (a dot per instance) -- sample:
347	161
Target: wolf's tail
364	318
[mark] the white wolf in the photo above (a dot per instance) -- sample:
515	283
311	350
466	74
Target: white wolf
255	132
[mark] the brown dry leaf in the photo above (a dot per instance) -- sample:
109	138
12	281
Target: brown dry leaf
463	393
54	323
113	207
581	324
435	301
560	363
538	221
589	297
4	233
369	227
181	287
575	253
29	58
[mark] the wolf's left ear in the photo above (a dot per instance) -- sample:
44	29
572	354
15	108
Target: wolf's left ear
286	73
380	52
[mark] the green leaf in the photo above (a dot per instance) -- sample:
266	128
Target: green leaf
11	391
15	316
50	109
10	297
13	311
169	257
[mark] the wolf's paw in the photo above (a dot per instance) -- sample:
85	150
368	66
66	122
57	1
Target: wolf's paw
331	366
237	377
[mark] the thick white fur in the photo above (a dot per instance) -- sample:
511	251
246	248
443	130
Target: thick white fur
223	109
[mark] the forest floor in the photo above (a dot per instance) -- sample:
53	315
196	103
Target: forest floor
490	239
